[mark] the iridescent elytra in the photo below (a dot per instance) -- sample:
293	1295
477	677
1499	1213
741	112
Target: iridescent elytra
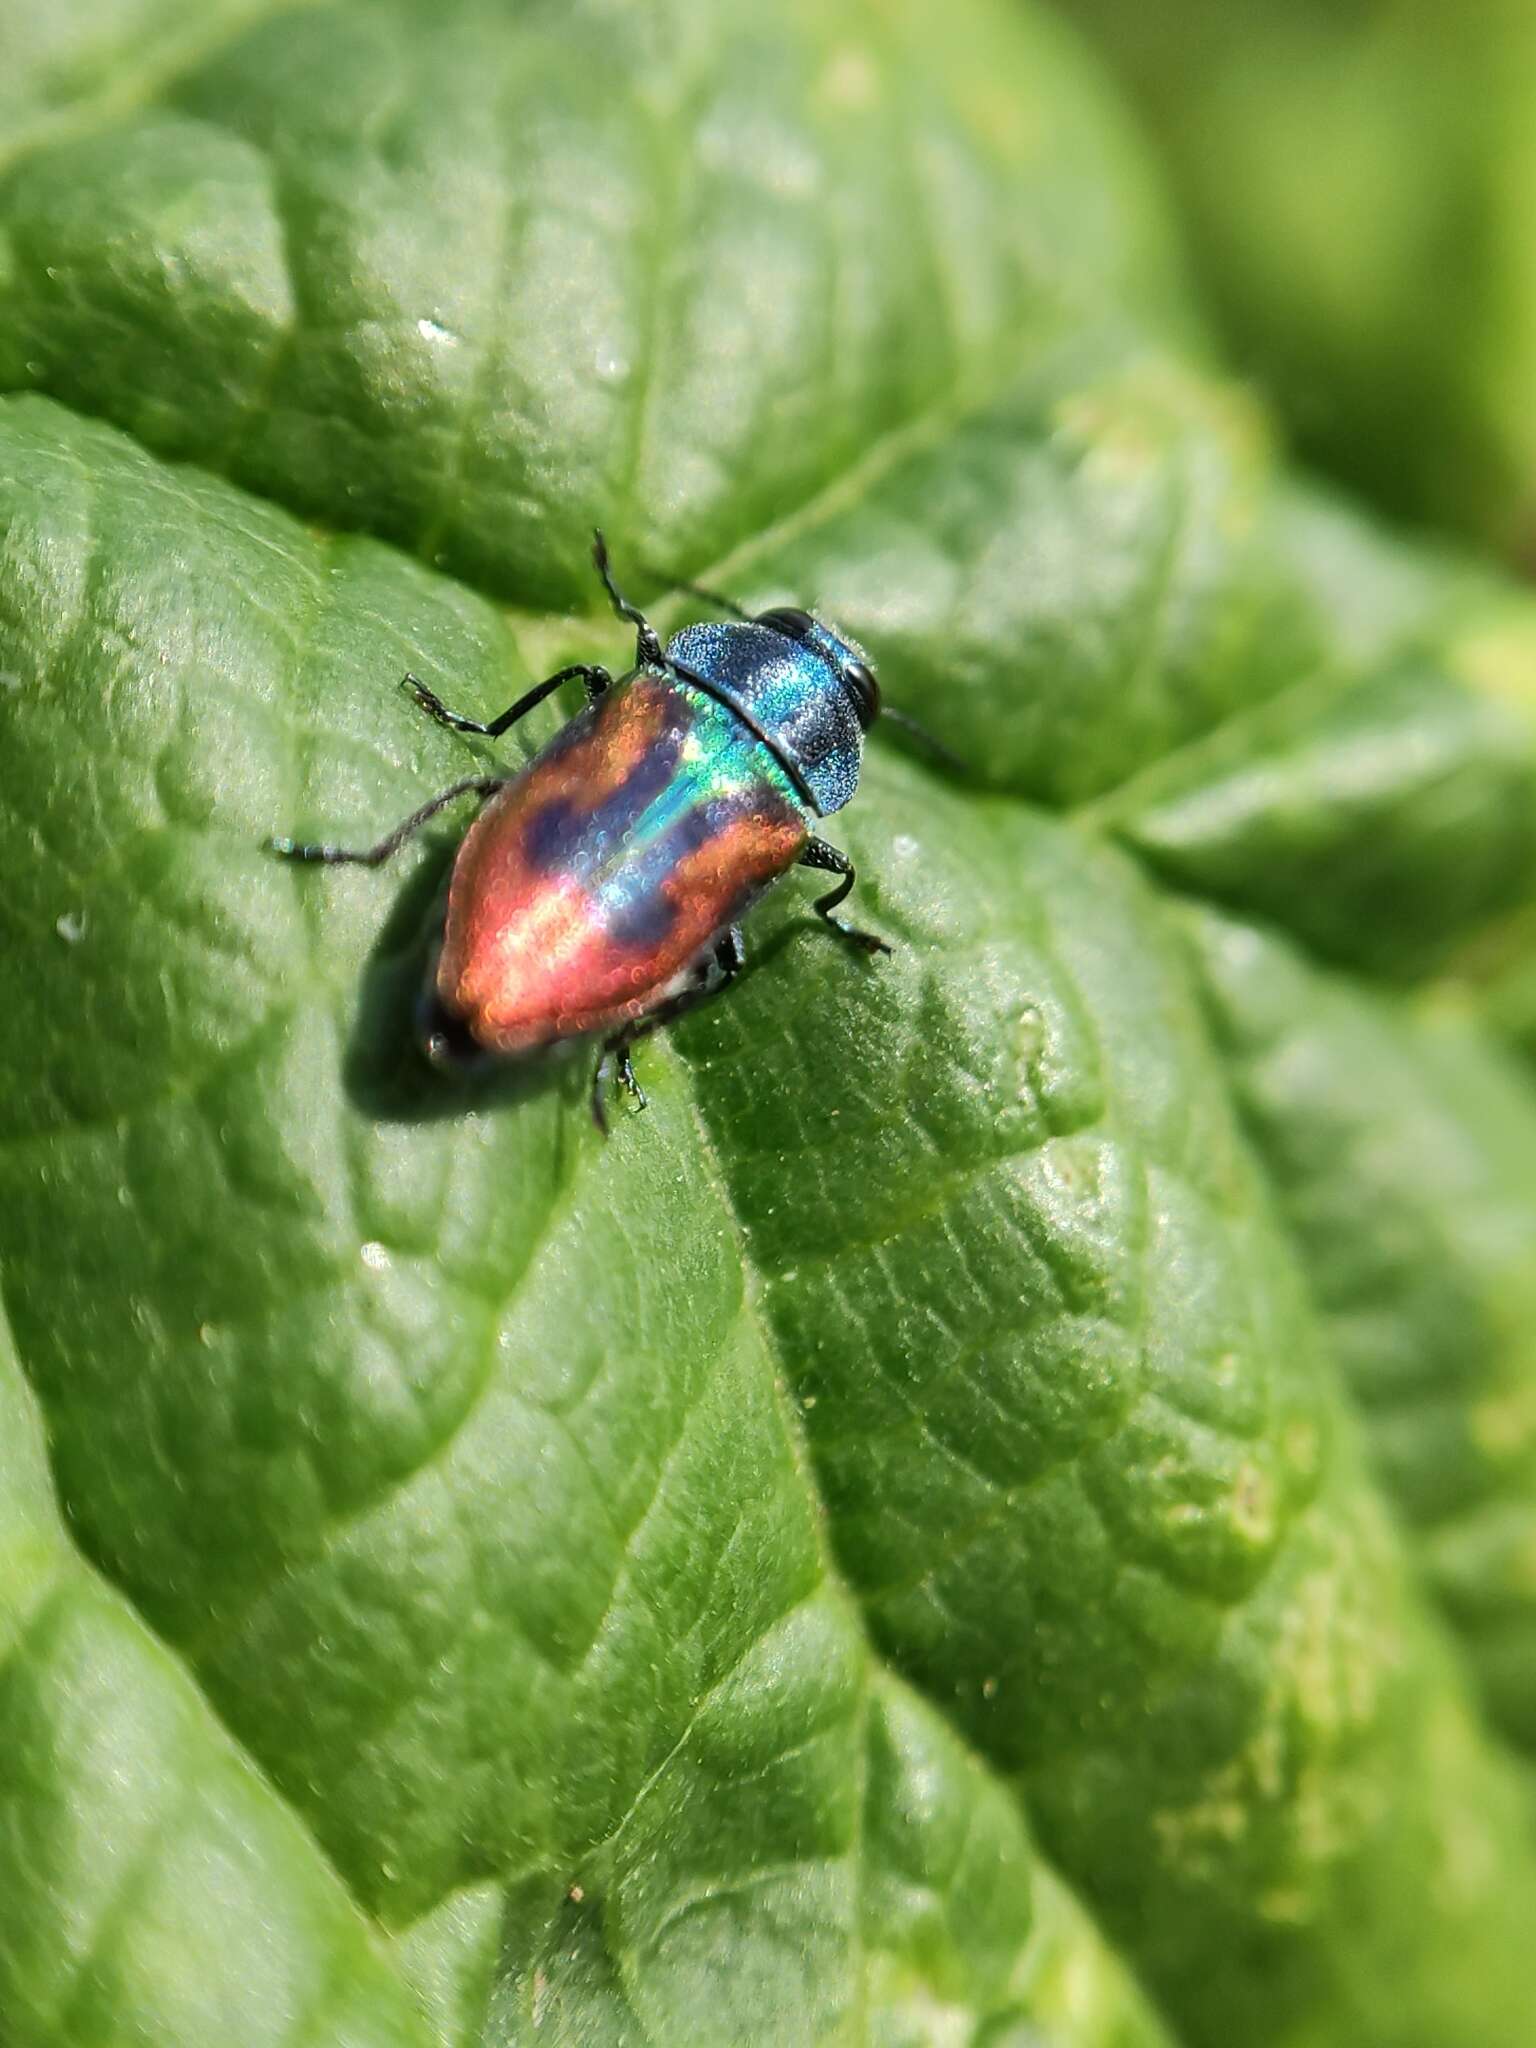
599	890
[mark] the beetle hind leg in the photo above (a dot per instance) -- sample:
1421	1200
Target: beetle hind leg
718	970
375	856
617	1048
629	1081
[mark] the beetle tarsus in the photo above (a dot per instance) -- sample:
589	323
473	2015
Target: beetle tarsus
865	942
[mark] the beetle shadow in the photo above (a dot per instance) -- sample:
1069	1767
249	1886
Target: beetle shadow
797	927
762	953
386	1074
384	1071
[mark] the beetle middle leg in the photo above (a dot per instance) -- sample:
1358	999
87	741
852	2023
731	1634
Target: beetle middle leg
597	680
718	970
391	843
818	854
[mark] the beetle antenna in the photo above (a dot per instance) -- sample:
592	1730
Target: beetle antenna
930	744
714	597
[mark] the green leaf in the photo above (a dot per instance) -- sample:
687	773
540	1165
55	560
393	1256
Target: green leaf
1404	1151
1357	185
882	1550
1504	980
1383	805
152	1879
472	288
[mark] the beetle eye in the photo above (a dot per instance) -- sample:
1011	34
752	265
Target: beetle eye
793	624
859	682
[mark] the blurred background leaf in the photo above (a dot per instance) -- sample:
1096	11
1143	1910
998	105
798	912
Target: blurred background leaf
1356	180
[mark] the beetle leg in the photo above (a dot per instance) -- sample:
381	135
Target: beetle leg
818	854
391	843
596	679
714	973
719	969
730	958
648	648
617	1048
628	1081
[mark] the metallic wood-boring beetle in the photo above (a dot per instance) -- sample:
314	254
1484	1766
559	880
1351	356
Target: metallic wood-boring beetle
598	892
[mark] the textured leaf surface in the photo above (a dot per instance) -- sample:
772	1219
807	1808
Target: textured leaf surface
882	1551
153	1884
403	268
1404	1149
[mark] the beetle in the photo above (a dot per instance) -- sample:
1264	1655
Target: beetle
598	892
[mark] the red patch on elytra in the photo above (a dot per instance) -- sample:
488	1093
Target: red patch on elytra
528	956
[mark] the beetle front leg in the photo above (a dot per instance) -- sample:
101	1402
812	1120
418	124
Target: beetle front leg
818	854
648	648
597	680
391	843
